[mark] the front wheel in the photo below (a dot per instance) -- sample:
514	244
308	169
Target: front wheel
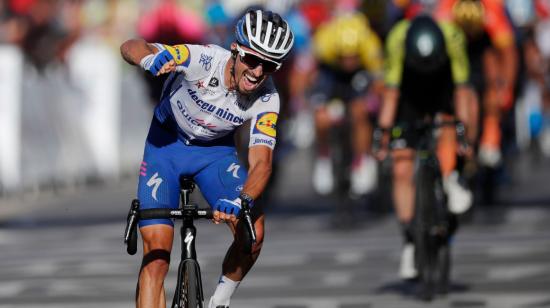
187	294
424	241
444	268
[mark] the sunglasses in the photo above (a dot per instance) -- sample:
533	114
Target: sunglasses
252	61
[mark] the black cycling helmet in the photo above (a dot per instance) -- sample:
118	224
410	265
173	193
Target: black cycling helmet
425	49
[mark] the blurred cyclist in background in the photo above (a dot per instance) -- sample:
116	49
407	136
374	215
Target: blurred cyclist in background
209	93
350	64
426	70
530	19
494	65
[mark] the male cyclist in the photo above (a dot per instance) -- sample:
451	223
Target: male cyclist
210	93
426	69
494	64
350	64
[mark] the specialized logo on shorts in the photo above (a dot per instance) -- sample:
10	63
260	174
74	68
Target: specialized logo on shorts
154	182
234	168
266	124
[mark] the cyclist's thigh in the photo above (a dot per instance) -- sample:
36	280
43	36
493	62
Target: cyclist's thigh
322	89
403	164
223	178
158	185
159	238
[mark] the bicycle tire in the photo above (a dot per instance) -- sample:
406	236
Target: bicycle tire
443	268
187	291
425	246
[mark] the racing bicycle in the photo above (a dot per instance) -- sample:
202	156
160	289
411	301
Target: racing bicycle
433	224
188	292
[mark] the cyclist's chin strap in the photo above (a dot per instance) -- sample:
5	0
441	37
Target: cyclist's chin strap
232	69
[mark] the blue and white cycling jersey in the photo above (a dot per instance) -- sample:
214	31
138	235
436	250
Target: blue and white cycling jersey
192	131
205	110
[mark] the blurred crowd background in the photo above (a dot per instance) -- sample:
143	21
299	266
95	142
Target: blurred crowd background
73	113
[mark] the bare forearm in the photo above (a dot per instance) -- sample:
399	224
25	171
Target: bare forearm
258	176
509	66
389	108
134	50
461	103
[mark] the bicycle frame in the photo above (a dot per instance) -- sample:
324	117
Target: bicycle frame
188	235
431	216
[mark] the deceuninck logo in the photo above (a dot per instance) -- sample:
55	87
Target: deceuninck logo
266	124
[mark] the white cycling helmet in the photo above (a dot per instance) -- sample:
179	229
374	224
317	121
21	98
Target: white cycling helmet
266	33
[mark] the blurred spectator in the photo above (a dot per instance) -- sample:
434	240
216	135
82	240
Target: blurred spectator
531	21
220	30
37	27
169	23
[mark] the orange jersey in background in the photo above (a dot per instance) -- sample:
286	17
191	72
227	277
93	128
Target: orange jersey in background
496	22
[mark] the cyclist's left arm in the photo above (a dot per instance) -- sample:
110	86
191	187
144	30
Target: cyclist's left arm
393	73
502	36
455	41
260	163
263	133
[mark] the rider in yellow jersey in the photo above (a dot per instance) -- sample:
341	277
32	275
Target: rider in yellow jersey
350	63
426	71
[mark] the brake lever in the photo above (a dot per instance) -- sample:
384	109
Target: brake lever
130	233
246	213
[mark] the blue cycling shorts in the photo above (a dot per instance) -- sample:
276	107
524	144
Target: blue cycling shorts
214	166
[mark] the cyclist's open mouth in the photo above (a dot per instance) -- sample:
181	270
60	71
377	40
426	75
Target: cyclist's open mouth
251	82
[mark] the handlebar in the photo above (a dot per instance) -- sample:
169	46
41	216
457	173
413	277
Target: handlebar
420	127
191	211
174	213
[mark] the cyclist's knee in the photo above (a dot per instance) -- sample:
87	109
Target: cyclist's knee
259	226
257	247
322	119
358	111
240	237
155	264
403	165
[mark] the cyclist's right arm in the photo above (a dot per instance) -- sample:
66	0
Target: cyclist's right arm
395	57
156	58
134	50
